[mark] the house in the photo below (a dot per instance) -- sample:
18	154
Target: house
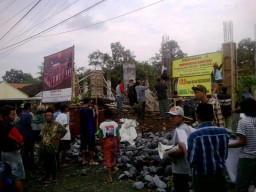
9	92
10	95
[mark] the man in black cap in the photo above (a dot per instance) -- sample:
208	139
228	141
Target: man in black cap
200	94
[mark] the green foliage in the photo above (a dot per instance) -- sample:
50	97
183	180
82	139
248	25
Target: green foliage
138	105
17	76
87	95
75	100
245	57
40	73
150	70
244	84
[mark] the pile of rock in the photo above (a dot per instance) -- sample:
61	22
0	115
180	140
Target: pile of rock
139	162
142	163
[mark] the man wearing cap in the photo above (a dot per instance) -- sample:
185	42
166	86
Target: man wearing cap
207	152
180	166
200	94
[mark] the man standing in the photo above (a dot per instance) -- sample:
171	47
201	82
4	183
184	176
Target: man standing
119	97
217	74
131	93
200	94
246	170
141	98
64	144
161	88
225	105
51	134
26	131
11	165
207	152
87	130
180	166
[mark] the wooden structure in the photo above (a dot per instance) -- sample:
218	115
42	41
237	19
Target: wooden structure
97	84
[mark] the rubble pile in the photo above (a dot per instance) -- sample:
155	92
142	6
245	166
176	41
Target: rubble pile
138	158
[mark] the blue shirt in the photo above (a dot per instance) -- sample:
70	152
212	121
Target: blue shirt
25	125
207	149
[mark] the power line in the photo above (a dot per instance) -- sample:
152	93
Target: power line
40	22
4	9
33	36
113	18
39	16
15	15
20	19
28	39
9	51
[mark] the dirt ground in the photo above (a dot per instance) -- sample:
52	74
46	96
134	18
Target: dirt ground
70	179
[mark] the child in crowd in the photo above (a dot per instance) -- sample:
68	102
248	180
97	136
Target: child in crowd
64	144
109	141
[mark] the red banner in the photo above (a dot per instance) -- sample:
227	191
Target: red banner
58	73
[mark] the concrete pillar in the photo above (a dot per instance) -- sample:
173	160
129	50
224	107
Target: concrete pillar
229	68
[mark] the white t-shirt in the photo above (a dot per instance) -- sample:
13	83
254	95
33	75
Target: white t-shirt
108	129
63	119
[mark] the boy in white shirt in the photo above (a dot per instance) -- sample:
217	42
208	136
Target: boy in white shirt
64	145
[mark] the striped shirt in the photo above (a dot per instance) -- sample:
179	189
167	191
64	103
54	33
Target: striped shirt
207	149
247	127
218	117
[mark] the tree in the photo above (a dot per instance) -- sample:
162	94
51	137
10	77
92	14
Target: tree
245	56
170	50
156	62
17	76
13	76
96	58
120	54
41	72
28	78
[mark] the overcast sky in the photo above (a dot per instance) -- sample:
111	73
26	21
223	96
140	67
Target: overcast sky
197	26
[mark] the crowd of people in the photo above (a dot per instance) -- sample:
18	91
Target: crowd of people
203	154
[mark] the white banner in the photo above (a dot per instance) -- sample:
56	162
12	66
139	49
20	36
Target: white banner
58	95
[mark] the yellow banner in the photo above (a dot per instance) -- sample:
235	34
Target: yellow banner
196	65
185	84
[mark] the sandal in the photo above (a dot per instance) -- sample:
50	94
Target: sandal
94	163
109	180
84	163
115	169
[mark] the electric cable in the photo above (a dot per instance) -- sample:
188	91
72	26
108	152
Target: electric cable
15	15
13	48
20	20
113	18
4	9
82	27
39	16
96	4
53	14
